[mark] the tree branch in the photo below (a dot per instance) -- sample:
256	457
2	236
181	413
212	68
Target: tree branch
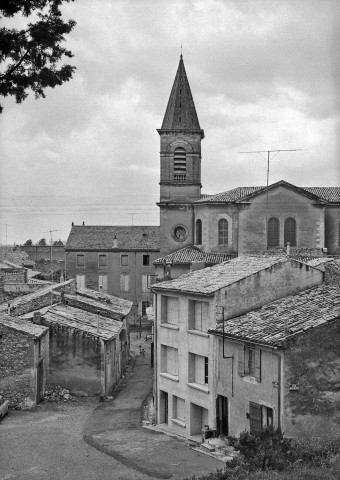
11	70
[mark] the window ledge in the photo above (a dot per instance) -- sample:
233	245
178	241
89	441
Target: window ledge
178	422
198	332
174	378
250	379
171	326
199	386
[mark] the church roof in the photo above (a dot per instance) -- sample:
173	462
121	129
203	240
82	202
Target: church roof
193	254
329	194
181	113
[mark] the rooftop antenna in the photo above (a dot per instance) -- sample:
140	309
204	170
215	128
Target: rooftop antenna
51	256
268	158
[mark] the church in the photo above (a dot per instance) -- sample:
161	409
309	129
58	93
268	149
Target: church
243	220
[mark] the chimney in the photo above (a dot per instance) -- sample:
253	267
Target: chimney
37	318
197	266
72	224
115	242
83	224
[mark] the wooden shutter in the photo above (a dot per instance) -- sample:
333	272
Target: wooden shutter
241	354
144	283
258	365
255	416
172	310
199	369
172	361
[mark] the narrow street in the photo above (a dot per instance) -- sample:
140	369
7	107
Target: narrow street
86	440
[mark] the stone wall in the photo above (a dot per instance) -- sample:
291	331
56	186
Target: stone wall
312	386
332	274
15	276
16	362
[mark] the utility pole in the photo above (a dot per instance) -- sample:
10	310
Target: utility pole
268	158
51	256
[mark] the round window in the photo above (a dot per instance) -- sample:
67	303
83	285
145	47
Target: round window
180	233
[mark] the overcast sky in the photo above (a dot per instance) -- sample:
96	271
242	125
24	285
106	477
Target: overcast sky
263	74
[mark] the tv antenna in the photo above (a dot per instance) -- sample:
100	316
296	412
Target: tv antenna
268	158
51	255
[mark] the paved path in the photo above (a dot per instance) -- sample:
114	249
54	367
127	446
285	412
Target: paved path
115	428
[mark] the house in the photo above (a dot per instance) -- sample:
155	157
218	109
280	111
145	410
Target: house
187	307
24	361
114	259
280	365
88	334
242	220
186	259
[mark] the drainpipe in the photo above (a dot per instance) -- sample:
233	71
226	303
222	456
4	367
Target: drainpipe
279	388
155	359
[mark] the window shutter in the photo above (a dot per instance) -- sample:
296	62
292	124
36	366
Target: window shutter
241	361
258	365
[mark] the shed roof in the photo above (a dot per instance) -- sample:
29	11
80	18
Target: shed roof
84	321
21	325
119	306
301	312
210	279
102	237
193	254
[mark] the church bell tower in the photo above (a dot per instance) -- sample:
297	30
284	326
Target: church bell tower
180	158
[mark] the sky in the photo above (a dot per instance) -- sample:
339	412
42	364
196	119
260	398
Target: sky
264	76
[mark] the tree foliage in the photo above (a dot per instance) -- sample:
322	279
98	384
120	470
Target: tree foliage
42	242
28	242
30	57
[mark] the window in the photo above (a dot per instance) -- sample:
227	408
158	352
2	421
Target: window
198	232
255	417
169	360
145	283
223	232
145	305
198	369
80	279
124	260
178	408
80	260
102	260
290	232
146	259
273	233
180	164
198	315
249	362
124	282
169	310
102	283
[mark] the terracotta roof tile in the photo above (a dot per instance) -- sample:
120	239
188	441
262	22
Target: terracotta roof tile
21	325
301	312
193	254
211	279
96	237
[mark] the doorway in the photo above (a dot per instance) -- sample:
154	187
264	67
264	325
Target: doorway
164	407
40	381
222	413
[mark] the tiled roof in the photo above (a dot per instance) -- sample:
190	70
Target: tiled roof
83	321
330	194
209	280
301	312
193	254
96	237
181	113
120	306
21	325
230	195
22	300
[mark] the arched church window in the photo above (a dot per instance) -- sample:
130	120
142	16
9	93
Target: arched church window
223	232
180	164
290	232
198	232
273	233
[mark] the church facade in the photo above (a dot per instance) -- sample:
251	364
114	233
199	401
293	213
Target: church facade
243	220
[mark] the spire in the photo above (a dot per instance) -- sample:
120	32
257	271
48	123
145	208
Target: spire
181	113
